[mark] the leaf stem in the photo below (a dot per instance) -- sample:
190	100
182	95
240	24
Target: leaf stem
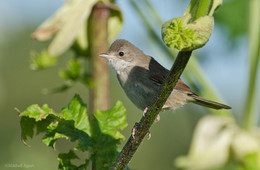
203	8
254	40
142	128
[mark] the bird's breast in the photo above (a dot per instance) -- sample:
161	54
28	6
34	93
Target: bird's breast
138	89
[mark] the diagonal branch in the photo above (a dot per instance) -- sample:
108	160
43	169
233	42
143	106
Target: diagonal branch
142	128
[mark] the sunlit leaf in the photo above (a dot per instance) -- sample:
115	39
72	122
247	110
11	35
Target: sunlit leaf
73	72
199	8
181	35
42	60
97	134
111	120
66	23
115	22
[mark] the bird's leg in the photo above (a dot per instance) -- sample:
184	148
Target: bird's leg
157	118
149	135
134	129
145	110
136	124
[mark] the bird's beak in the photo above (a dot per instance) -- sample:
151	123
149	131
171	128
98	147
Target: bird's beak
105	55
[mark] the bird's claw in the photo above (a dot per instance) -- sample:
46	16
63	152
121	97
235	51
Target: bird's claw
157	118
134	129
149	135
145	110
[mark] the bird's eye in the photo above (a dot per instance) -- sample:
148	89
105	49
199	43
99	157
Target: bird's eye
121	53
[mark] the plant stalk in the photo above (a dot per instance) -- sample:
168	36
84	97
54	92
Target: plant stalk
254	57
98	43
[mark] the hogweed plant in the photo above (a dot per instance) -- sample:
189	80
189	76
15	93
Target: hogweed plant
219	142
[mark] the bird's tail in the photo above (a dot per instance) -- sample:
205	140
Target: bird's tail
208	103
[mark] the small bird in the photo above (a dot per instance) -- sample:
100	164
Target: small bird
141	77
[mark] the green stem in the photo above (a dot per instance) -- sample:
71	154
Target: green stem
254	41
203	8
98	43
142	128
198	8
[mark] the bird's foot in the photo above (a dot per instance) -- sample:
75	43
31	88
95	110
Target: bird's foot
149	135
157	118
134	129
145	110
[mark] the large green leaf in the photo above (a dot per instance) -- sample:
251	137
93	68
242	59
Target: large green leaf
96	133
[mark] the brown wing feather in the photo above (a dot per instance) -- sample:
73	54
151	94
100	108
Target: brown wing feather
182	86
159	74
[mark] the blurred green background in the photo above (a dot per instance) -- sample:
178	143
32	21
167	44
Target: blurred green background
224	60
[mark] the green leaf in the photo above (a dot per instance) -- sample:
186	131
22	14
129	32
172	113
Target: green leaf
97	134
215	6
66	23
73	72
35	116
42	60
198	8
193	29
27	125
115	22
111	120
183	36
65	160
107	135
38	113
251	161
71	75
73	123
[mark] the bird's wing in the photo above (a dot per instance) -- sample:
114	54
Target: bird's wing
157	74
